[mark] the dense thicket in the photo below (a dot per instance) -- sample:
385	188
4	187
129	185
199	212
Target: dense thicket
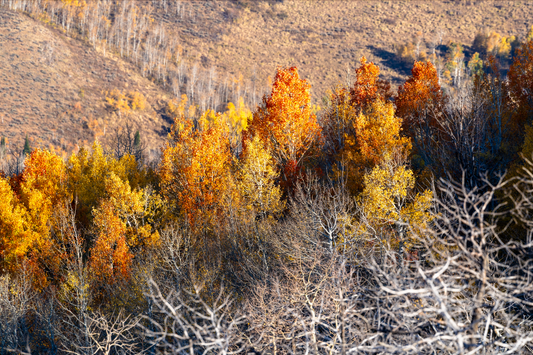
382	223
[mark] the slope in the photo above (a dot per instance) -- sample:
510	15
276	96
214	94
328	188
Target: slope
53	90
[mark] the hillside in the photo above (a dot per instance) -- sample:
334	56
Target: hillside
53	85
52	89
325	38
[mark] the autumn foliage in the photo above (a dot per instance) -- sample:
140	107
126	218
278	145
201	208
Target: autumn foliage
368	87
521	78
233	169
241	192
421	92
195	168
286	124
419	102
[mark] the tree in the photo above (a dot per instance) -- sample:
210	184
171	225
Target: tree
194	169
431	303
529	36
286	124
87	171
321	212
126	141
475	64
389	206
27	149
14	228
360	125
43	192
256	182
43	187
190	323
2	148
376	136
521	81
337	122
237	119
368	87
110	256
137	146
137	139
419	103
139	210
16	299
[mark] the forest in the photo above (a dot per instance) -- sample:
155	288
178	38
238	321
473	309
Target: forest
381	221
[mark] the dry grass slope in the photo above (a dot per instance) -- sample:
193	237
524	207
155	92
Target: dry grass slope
52	87
325	38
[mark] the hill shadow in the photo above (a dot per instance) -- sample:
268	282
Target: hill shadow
390	60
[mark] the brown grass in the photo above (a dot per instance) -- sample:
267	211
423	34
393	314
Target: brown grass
52	87
323	38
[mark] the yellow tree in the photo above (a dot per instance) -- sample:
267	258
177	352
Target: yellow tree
376	134
388	201
285	123
256	182
138	209
87	171
237	119
14	230
43	191
389	205
28	217
43	188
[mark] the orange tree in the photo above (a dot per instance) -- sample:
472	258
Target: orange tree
14	229
368	87
286	124
124	223
346	103
196	181
195	168
360	126
419	103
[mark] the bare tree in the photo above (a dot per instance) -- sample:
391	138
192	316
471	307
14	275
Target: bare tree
12	164
15	305
112	334
127	140
75	298
328	205
187	323
468	292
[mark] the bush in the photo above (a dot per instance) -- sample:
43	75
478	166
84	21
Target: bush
119	101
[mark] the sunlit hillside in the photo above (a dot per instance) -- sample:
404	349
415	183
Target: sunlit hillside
266	177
